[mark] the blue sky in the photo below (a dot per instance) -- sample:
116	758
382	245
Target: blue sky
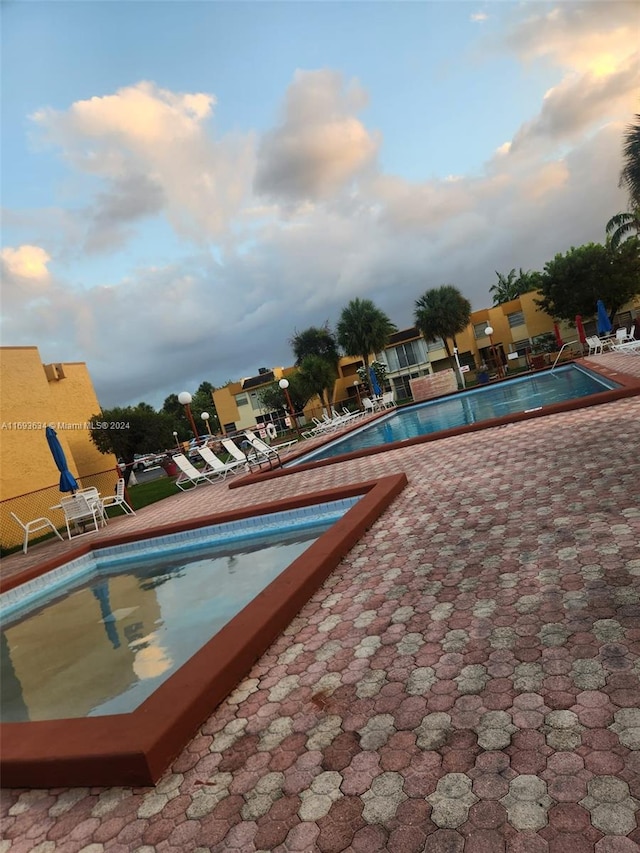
187	184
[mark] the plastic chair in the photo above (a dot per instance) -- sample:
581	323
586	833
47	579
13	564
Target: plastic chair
117	499
78	509
34	525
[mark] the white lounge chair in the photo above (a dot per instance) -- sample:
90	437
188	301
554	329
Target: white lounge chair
79	511
118	499
595	345
234	451
387	401
217	466
262	452
189	476
33	526
281	446
627	347
368	405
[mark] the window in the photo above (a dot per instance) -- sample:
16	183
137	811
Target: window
478	329
256	405
436	343
521	347
405	355
242	400
515	319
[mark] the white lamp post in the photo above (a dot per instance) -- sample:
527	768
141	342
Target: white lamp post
455	354
175	438
205	417
185	398
284	385
356	385
489	333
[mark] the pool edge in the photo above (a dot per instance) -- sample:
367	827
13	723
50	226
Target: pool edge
135	749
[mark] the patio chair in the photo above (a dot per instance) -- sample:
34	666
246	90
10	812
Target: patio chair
595	345
235	453
189	476
79	511
280	447
118	499
387	401
33	526
262	452
217	466
632	347
369	405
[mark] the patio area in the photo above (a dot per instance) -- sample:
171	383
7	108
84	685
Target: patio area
467	681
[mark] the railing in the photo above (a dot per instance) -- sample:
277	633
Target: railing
562	349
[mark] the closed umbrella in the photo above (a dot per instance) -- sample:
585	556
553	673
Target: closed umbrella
602	321
556	332
580	329
67	480
375	387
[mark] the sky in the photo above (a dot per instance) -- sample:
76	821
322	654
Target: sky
185	185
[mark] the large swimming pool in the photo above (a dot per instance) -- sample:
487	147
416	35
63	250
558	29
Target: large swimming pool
521	394
100	634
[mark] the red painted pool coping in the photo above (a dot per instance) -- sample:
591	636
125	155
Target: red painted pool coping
629	387
134	749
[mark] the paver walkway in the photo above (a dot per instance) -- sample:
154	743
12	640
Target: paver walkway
467	681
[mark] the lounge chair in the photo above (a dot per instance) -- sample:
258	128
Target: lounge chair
262	452
235	453
387	401
280	447
628	347
79	510
217	466
118	499
368	405
595	345
189	476
33	526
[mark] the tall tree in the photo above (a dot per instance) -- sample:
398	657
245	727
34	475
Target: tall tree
623	225
363	328
318	376
318	343
136	429
442	313
572	283
203	402
630	175
513	285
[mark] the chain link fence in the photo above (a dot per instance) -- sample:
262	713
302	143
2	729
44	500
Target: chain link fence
38	504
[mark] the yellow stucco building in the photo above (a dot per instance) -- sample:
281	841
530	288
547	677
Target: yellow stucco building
34	395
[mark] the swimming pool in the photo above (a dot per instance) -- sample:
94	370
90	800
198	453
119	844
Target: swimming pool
135	747
524	394
108	629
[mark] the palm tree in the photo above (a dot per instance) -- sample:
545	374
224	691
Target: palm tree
512	286
630	175
363	329
442	313
623	225
310	346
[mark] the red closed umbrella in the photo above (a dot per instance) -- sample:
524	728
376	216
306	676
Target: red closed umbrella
556	332
580	329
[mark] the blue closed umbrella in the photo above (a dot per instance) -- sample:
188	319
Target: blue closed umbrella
67	480
602	321
375	387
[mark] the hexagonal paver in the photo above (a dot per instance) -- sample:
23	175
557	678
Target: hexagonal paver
527	803
494	730
383	797
611	805
627	726
452	800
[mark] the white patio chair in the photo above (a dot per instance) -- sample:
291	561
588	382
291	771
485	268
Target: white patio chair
280	446
632	347
234	452
79	512
368	405
33	526
189	476
261	451
117	499
217	466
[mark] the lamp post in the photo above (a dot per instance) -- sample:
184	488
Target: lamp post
498	363
205	417
175	438
284	385
185	398
356	385
461	374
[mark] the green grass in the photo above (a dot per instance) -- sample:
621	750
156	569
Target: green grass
149	493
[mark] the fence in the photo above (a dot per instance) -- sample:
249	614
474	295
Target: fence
37	504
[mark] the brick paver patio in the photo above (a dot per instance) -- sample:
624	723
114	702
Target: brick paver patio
467	681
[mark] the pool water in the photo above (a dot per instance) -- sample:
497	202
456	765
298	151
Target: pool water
103	641
521	394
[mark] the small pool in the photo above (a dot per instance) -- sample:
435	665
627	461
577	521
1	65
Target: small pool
521	394
100	634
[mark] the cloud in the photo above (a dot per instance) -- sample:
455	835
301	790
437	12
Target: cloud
478	17
153	152
320	146
25	262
